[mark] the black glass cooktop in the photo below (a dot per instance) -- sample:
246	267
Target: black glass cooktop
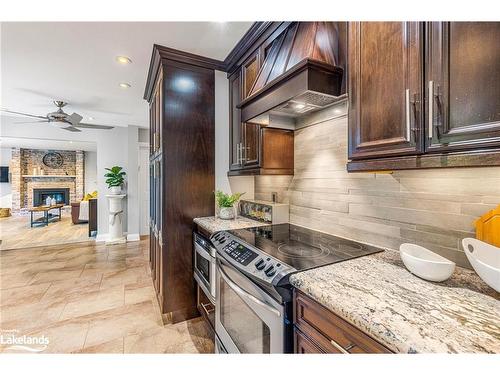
302	248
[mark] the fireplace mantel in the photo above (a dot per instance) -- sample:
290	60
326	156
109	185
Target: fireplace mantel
47	176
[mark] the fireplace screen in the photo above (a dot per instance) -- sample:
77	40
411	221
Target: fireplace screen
60	195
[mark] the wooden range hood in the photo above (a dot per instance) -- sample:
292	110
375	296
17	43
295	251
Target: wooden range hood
299	74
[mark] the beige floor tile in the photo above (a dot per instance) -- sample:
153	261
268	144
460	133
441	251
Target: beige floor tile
128	276
110	347
94	302
64	337
139	294
186	337
56	275
72	289
122	321
23	295
31	315
91	298
15	280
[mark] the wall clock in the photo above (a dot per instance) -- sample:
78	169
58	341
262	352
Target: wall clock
53	160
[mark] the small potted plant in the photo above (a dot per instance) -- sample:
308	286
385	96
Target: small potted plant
115	179
226	203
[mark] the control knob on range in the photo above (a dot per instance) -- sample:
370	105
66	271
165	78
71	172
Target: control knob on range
260	264
270	271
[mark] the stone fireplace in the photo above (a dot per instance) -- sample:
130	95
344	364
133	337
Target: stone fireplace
32	180
61	195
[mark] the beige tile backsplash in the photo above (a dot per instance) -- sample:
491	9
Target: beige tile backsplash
433	208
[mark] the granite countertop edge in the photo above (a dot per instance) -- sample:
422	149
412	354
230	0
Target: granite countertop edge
213	224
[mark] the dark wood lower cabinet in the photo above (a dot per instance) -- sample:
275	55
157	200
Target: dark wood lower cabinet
318	330
304	345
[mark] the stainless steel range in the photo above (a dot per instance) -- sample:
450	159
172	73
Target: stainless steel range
253	295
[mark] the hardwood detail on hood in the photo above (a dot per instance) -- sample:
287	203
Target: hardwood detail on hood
316	41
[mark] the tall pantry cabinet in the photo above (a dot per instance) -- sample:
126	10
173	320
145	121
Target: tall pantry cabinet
180	93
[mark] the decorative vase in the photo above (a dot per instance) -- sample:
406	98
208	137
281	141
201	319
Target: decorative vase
226	213
115	190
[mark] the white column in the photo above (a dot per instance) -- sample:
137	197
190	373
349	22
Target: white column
115	234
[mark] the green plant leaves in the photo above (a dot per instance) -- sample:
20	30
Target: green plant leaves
226	200
115	176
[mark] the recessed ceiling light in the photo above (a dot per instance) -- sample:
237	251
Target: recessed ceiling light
299	106
124	85
91	118
123	60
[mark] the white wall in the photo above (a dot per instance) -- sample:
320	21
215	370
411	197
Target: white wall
113	148
5	187
133	188
222	182
90	175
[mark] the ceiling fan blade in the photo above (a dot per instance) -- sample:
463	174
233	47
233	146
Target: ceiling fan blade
24	114
91	126
31	122
71	129
74	118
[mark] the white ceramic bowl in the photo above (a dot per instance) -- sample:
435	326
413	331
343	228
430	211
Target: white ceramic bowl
425	263
485	259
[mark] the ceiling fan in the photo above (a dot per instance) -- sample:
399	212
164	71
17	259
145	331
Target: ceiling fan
61	119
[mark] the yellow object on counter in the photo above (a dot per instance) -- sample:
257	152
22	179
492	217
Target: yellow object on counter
488	227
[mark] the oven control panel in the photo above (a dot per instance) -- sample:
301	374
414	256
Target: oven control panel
249	258
240	253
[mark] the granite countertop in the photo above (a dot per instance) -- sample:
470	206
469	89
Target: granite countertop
407	314
213	224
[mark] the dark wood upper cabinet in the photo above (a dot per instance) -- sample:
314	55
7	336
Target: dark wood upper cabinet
385	89
254	149
463	86
251	145
249	72
235	125
416	103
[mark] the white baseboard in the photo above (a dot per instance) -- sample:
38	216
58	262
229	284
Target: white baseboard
130	237
133	237
101	237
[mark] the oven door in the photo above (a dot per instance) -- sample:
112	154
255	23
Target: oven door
204	270
247	319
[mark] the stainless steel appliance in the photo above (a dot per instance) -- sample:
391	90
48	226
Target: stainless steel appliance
267	212
253	309
204	265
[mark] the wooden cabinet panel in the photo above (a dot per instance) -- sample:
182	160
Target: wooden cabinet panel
303	345
182	165
463	83
249	72
328	331
235	126
251	145
277	149
385	80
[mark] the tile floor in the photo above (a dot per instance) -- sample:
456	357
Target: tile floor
88	298
16	232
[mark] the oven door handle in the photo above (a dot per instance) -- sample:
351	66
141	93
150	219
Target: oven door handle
204	253
247	295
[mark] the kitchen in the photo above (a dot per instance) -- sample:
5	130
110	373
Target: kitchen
368	157
328	183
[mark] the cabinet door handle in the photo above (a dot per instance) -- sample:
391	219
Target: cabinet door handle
407	114
431	108
339	347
